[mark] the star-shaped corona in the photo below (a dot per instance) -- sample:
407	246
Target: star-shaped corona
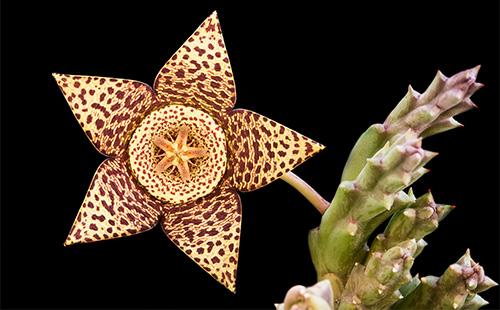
178	153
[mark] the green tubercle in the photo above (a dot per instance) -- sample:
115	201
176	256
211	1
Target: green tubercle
376	285
385	161
316	297
415	222
359	206
457	288
426	114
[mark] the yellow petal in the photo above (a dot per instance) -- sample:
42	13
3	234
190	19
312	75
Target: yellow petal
199	73
208	231
262	150
107	109
113	207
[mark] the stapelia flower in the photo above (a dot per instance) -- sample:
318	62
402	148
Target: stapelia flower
178	153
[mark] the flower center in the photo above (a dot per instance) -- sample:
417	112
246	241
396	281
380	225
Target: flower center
178	154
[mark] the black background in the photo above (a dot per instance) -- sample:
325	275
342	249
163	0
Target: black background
327	72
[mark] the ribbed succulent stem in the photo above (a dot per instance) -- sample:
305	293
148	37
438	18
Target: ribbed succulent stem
316	297
415	222
307	191
426	114
376	285
368	143
386	159
361	205
457	288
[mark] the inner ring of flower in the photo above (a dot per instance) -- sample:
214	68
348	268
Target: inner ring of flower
178	154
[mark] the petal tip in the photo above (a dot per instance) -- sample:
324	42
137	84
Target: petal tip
232	288
57	76
316	148
320	147
68	242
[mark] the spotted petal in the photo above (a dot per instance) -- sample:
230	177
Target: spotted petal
199	73
115	206
108	109
208	231
262	150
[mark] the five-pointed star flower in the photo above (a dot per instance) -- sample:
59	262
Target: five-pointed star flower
178	153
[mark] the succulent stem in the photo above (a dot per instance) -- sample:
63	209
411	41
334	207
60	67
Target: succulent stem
316	297
387	159
426	114
415	222
376	284
361	205
307	191
457	288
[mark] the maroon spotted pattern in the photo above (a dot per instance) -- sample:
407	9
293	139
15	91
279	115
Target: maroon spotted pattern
107	109
115	206
202	215
262	150
205	175
199	73
208	231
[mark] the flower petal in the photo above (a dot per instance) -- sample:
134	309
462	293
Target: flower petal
208	231
262	150
199	73
108	109
115	206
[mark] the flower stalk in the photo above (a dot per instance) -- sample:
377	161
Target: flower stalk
307	191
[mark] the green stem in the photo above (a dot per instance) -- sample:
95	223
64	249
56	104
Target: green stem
307	191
